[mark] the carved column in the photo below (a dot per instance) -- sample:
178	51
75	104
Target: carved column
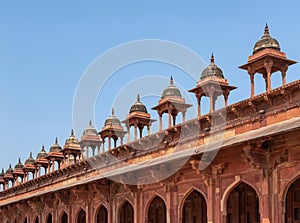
268	66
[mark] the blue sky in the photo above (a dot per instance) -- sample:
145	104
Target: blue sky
45	47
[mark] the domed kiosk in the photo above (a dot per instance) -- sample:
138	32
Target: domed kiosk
138	117
212	84
172	103
266	60
112	129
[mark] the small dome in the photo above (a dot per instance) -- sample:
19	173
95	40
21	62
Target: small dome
42	154
30	160
55	147
171	90
138	106
212	70
112	120
266	41
19	165
72	139
9	170
90	130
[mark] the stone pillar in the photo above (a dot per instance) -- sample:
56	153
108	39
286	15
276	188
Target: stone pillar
160	121
169	118
128	132
283	70
199	105
268	66
135	131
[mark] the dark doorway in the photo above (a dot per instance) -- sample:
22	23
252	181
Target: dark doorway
64	218
49	218
102	216
194	208
157	211
243	205
126	213
81	217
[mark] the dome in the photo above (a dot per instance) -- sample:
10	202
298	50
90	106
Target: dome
30	160
212	70
112	120
55	147
19	165
171	90
42	154
138	106
266	41
90	130
9	170
72	139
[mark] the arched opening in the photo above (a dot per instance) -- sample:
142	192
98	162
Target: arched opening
64	218
81	217
25	221
126	213
243	205
102	215
36	219
49	218
157	211
194	208
292	203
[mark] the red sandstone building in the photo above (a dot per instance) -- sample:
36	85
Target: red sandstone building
240	163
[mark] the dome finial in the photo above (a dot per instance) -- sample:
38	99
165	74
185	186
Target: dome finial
72	132
266	29
19	160
10	166
171	81
30	156
212	59
56	141
90	123
112	111
43	148
138	98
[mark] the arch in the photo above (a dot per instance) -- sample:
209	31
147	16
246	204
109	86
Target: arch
157	211
36	219
242	205
194	207
64	217
126	213
292	202
49	218
288	185
102	214
81	217
227	192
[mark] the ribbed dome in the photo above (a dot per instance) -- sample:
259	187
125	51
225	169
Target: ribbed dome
19	165
30	160
42	154
212	70
55	147
9	170
72	138
171	90
138	106
90	130
266	41
112	120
